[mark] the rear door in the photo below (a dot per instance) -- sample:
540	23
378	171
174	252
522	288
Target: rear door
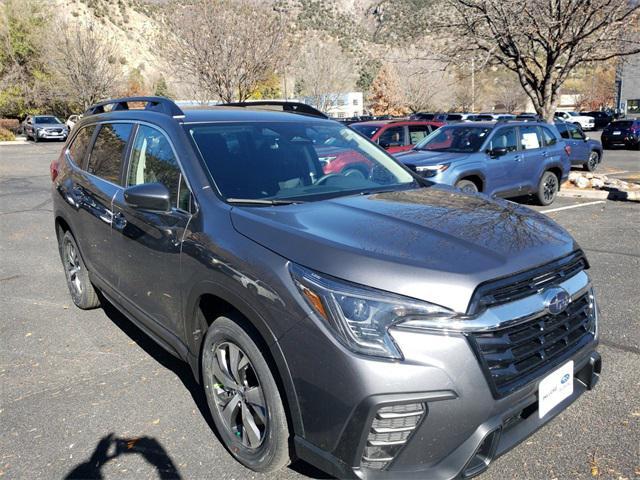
503	171
580	149
149	243
533	156
95	189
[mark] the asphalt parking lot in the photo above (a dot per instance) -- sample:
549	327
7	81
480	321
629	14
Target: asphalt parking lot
85	394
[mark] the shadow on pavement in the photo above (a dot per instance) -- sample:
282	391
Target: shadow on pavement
110	447
184	373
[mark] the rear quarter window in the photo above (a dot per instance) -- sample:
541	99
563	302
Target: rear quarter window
80	144
549	137
108	151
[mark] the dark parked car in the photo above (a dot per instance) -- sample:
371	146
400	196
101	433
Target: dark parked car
622	133
585	151
376	327
44	127
508	159
601	119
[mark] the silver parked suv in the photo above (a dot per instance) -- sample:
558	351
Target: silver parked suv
377	325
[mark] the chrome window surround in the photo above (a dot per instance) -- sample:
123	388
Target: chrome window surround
505	315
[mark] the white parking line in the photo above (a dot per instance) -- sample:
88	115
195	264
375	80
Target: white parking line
573	206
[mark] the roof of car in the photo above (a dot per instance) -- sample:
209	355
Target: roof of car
380	123
239	114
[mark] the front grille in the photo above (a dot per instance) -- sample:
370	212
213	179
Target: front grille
524	284
390	430
514	356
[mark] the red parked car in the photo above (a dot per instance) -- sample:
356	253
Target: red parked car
392	135
396	135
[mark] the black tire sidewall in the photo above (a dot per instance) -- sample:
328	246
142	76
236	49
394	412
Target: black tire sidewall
273	454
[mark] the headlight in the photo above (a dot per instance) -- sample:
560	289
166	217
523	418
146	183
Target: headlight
432	170
360	317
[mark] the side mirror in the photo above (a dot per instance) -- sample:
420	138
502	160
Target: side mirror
149	196
497	152
586	138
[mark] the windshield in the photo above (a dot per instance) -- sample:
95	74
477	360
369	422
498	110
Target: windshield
574	114
294	161
367	130
46	120
457	139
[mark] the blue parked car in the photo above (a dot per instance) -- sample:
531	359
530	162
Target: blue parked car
506	159
584	151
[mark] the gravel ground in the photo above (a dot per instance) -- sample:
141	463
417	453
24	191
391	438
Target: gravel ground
87	395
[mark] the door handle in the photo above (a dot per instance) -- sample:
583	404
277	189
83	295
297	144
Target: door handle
107	217
518	158
119	221
545	154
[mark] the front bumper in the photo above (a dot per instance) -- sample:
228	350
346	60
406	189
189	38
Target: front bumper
51	135
354	409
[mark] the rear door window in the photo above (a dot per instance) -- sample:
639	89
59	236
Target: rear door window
530	137
80	144
108	150
153	161
417	133
564	133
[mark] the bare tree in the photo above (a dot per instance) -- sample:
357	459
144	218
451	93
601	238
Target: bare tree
543	41
83	63
508	95
423	84
223	48
324	73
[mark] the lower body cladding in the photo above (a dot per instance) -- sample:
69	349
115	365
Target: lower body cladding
628	140
433	415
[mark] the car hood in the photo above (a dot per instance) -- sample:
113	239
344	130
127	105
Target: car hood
423	157
432	243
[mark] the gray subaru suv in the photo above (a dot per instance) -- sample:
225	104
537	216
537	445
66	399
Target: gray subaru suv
376	326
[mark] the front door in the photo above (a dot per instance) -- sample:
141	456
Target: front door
504	170
149	243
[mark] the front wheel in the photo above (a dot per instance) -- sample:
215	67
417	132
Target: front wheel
548	188
467	186
243	397
592	163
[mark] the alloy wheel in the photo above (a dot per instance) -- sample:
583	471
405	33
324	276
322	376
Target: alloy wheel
592	163
73	267
238	394
550	187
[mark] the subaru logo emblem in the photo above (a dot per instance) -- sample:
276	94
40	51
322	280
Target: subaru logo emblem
556	300
565	378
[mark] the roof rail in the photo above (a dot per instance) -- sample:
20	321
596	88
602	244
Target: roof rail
155	104
291	107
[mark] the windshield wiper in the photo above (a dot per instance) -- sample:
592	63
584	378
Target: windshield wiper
262	201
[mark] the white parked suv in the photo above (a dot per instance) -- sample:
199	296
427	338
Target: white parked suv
585	122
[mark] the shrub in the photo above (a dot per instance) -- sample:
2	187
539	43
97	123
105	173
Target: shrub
6	135
10	124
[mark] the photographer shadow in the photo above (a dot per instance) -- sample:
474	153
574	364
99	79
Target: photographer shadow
110	447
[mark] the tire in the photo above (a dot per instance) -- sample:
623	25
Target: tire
593	162
267	449
82	292
467	186
547	188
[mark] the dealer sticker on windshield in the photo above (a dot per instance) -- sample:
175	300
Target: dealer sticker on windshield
554	388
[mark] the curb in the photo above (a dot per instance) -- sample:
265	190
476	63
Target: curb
17	141
601	194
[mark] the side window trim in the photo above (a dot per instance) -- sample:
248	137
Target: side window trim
183	177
